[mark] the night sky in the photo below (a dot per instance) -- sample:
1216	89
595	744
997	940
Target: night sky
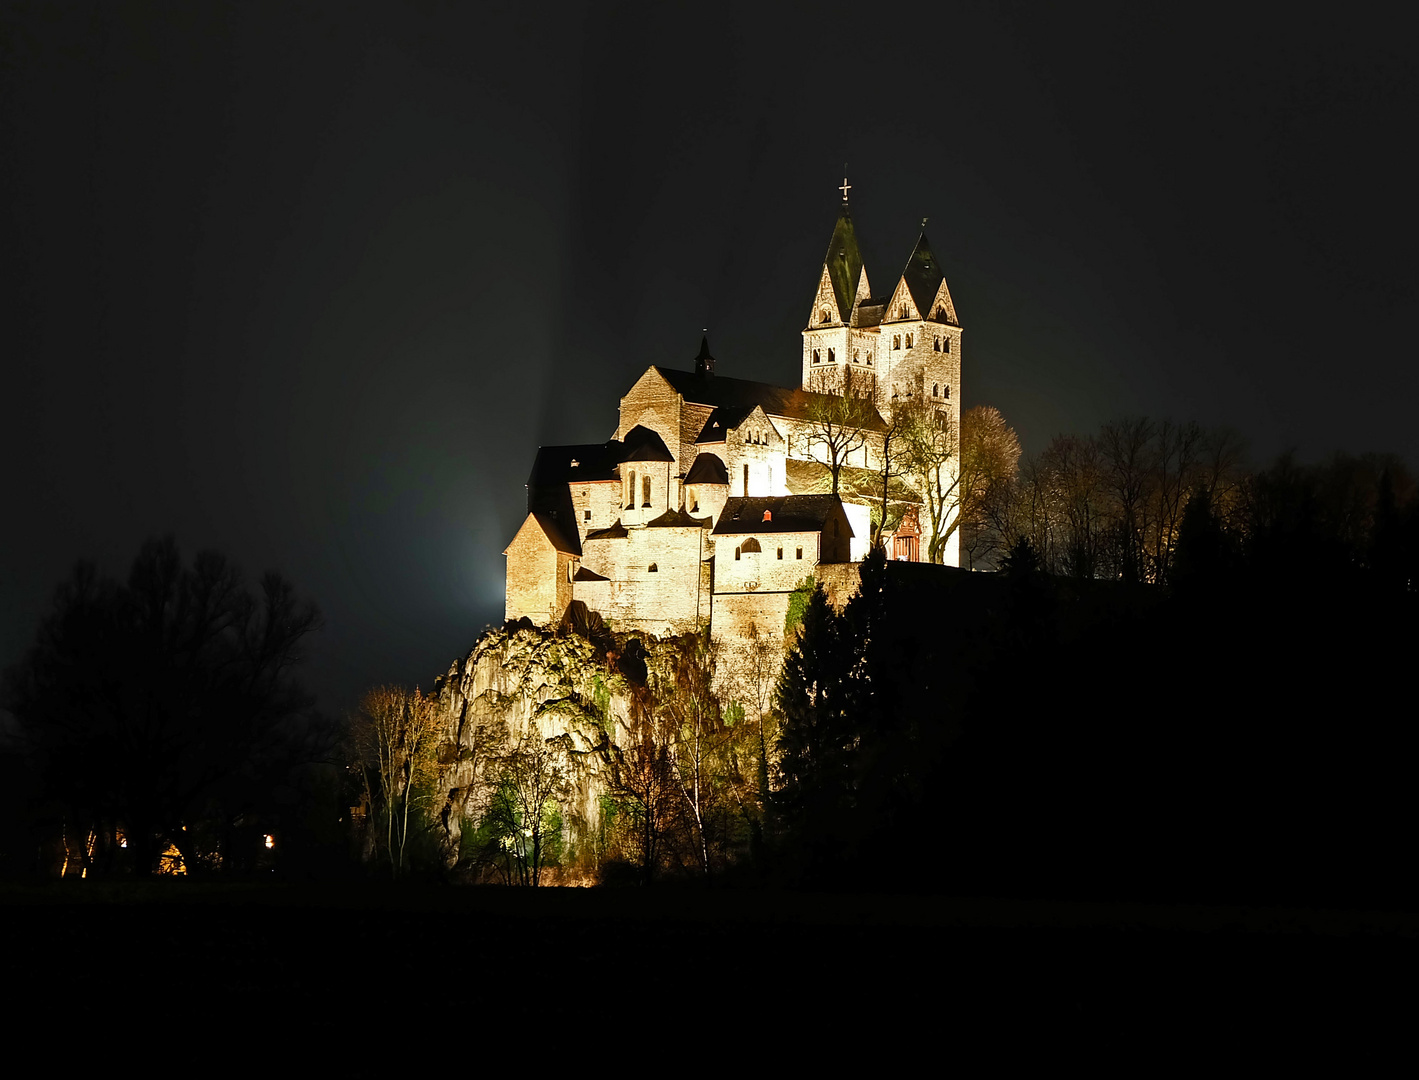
310	288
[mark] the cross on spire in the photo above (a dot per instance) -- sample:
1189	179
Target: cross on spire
844	187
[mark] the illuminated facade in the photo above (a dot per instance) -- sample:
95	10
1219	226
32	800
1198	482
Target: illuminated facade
713	500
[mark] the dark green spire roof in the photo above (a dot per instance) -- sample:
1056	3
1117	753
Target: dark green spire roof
844	262
923	276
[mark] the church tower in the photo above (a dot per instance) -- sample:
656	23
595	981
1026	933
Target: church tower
921	337
840	340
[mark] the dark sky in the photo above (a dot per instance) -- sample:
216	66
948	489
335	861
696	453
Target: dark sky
311	288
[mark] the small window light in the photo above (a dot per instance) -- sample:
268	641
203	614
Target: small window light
652	569
780	553
800	553
768	515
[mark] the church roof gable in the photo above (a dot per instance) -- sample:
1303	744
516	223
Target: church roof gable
795	403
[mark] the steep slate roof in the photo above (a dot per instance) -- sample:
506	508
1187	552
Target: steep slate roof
707	469
719	391
923	276
642	444
723	420
844	262
788	513
595	461
560	540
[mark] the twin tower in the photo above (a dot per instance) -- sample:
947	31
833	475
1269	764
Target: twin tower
893	347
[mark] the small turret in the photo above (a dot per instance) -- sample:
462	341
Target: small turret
704	363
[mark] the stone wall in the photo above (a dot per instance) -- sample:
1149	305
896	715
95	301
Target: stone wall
538	577
669	599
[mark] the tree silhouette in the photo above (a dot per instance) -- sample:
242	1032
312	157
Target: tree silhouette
158	712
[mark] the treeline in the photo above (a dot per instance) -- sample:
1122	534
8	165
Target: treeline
160	728
1238	733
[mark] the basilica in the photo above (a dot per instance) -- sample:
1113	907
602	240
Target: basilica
717	497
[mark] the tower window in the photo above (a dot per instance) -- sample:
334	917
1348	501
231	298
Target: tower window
645	487
780	553
815	356
869	358
946	345
631	491
936	344
800	553
832	356
854	355
935	390
824	316
941	313
909	341
947	392
896	341
586	514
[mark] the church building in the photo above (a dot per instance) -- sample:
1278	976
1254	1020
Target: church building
716	497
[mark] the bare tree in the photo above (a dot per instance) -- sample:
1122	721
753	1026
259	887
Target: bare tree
930	455
396	735
841	420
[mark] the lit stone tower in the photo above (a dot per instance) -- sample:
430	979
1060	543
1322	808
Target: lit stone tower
903	348
840	340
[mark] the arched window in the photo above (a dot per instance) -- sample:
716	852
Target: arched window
896	341
631	491
780	553
903	312
935	390
909	341
824	316
935	344
815	356
855	354
832	356
947	392
946	345
645	488
652	569
941	313
750	545
869	358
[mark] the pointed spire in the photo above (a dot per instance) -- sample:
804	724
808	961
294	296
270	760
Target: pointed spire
844	262
704	362
923	274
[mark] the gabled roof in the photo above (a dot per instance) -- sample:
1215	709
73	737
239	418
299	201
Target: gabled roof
707	469
583	574
568	464
844	262
716	391
923	276
723	420
642	444
787	513
561	540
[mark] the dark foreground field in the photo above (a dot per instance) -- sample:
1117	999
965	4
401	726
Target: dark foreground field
370	980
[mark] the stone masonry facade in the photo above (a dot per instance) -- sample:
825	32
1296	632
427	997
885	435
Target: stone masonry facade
712	503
